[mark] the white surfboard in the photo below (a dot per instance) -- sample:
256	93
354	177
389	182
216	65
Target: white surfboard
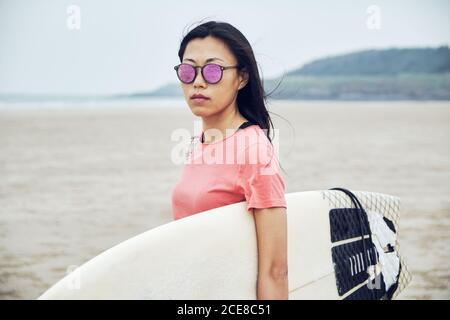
213	255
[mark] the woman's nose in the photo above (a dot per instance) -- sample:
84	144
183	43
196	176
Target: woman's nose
199	81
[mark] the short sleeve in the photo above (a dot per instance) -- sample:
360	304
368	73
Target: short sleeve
259	177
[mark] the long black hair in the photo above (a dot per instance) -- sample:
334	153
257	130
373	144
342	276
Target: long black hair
251	100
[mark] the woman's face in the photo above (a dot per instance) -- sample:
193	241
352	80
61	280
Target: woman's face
222	94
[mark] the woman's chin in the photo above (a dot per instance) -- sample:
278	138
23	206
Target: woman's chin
199	111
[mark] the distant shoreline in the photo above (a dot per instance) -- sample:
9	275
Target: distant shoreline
177	103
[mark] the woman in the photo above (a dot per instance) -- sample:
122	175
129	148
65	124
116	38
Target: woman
222	86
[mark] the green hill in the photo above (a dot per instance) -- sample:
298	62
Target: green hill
380	87
380	62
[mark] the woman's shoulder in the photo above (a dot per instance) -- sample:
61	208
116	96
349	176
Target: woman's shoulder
254	135
256	144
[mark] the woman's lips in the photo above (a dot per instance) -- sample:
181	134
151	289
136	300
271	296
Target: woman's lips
199	99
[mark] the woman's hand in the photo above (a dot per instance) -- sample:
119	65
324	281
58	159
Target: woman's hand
271	230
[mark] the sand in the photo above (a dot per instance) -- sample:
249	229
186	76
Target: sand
74	182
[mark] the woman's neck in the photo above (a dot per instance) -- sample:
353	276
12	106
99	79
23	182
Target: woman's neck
218	129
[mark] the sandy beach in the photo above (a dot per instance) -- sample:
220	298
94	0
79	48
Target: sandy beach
75	182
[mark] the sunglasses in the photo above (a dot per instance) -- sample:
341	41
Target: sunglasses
211	72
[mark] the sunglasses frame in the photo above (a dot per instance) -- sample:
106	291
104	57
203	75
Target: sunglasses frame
222	68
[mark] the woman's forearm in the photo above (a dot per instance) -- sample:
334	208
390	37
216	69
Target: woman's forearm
272	288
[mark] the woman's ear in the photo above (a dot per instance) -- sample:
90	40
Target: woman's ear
243	78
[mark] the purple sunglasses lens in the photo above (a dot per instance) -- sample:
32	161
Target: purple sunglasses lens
212	73
186	73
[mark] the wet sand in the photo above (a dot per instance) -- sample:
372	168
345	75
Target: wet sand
76	182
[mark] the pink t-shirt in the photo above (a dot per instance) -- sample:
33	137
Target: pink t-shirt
241	167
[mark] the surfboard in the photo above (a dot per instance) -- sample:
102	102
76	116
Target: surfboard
213	255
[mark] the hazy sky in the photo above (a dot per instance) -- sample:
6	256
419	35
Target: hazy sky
131	45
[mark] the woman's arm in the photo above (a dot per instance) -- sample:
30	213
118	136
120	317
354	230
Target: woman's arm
271	231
